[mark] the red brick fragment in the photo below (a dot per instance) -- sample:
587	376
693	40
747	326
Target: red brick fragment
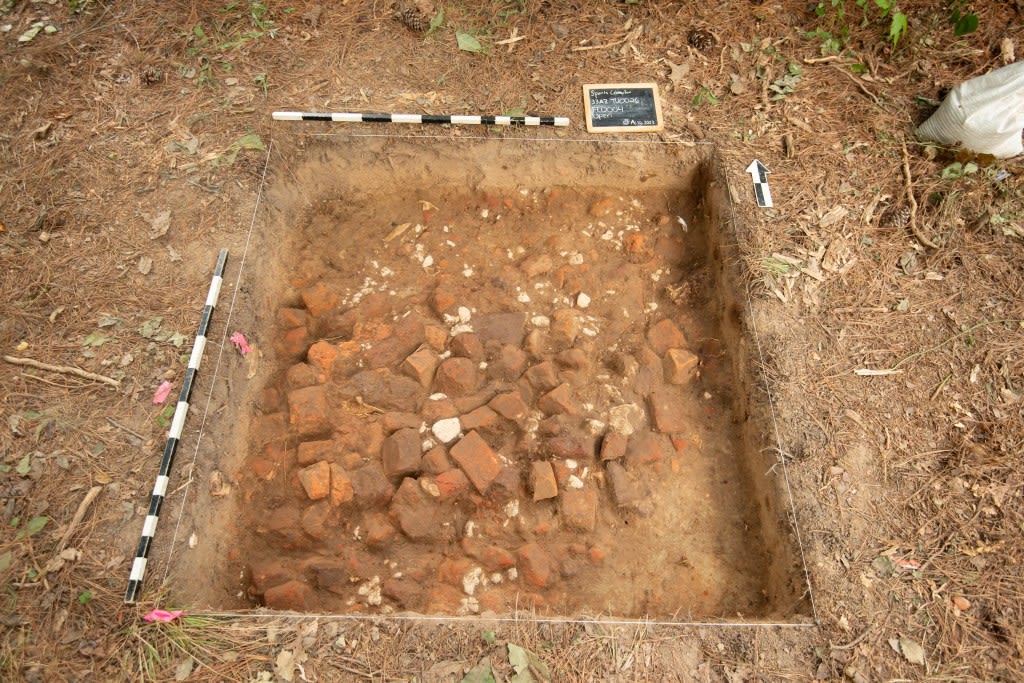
467	345
308	410
292	595
481	418
543	376
667	412
435	461
310	452
644	448
319	299
290	318
680	366
341	486
316	480
613	446
542	480
558	401
509	405
565	327
452	484
301	375
394	421
420	365
401	453
379	531
477	460
456	376
322	355
665	335
317	520
535	565
293	343
416	512
578	508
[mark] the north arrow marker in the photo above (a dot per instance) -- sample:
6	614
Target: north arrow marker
759	174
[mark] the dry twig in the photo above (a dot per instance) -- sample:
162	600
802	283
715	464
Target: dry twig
921	237
63	369
83	507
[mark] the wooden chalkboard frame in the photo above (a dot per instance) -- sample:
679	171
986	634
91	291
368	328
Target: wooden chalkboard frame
653	91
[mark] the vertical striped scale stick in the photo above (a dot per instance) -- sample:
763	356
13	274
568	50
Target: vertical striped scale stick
456	119
174	435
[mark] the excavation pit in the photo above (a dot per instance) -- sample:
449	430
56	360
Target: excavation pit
503	375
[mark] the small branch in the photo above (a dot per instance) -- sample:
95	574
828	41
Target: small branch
874	98
912	201
120	426
83	507
63	369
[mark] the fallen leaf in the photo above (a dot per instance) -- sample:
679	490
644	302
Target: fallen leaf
95	339
163	615
54	565
145	265
162	392
468	42
961	603
149	328
284	665
160	224
33	527
240	342
913	652
679	73
6	559
834	215
525	663
184	669
481	673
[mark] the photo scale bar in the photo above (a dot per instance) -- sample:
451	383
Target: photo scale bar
352	117
174	436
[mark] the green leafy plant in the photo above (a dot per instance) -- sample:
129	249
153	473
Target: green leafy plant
835	34
787	84
963	20
164	418
436	22
704	94
958	170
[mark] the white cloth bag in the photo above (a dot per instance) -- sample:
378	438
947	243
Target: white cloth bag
984	114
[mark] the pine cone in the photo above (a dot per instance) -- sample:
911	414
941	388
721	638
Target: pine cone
895	218
701	39
416	14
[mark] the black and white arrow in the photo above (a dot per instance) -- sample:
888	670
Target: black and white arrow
759	174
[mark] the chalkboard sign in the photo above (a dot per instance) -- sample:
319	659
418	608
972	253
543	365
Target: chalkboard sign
622	107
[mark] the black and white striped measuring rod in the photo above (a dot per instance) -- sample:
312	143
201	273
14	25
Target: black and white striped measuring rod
342	117
174	435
